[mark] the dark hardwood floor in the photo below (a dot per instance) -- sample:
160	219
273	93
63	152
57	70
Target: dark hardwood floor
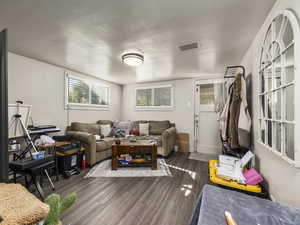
135	201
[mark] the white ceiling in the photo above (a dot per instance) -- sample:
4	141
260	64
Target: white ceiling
89	36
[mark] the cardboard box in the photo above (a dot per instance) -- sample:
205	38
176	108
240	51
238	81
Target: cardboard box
183	142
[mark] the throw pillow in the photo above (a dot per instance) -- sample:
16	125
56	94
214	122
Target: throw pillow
105	130
98	137
124	125
144	129
134	132
117	132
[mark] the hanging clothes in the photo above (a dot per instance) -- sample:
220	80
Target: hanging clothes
244	126
224	118
235	121
234	113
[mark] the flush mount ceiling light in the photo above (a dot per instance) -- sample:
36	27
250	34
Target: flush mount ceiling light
132	59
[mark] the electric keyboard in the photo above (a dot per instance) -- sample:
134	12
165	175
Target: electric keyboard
44	130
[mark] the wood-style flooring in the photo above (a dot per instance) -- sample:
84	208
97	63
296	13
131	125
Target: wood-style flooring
137	201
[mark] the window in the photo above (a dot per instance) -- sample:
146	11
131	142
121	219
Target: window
85	93
277	119
208	95
159	97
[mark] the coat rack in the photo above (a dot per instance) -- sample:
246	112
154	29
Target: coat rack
231	71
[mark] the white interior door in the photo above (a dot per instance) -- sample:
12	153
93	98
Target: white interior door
208	98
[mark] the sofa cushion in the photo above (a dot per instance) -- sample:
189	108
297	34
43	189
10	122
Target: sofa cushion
157	127
157	138
110	140
104	122
103	145
91	128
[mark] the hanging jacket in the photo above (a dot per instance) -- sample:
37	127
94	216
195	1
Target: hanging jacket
234	113
244	123
235	121
224	118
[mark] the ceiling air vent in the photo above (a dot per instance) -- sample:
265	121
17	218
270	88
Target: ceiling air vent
190	46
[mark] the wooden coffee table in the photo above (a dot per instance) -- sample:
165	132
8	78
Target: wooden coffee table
144	154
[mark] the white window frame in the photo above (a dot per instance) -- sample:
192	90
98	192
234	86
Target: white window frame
89	82
158	108
295	26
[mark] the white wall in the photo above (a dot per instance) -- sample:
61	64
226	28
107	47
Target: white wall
283	179
42	86
182	115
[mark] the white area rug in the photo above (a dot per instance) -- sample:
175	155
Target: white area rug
103	169
202	157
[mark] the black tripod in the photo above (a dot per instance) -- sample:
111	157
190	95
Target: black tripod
17	125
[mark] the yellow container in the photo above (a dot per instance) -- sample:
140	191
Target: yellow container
229	183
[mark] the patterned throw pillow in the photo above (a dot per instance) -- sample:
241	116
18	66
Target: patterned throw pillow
117	132
124	125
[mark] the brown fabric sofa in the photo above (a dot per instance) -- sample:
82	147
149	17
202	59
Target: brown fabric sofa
163	132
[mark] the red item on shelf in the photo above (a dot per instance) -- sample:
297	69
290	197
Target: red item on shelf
83	166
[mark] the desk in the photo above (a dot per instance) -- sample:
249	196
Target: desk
21	153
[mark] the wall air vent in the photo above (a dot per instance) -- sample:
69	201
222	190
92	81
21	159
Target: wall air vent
190	46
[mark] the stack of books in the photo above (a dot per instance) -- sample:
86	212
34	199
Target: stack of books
232	168
125	159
